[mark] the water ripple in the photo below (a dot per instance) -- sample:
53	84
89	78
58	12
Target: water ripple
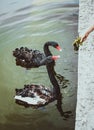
24	8
41	12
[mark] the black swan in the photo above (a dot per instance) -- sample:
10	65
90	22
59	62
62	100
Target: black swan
38	95
29	58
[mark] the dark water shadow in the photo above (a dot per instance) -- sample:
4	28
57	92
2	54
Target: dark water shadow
64	114
62	80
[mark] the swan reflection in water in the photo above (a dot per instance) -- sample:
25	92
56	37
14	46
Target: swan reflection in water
38	95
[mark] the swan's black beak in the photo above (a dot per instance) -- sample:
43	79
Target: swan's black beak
58	48
55	57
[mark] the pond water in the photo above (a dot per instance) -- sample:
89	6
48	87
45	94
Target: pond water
31	23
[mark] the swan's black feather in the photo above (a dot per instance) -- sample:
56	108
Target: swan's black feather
29	58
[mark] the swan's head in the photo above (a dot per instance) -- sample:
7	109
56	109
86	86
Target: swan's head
56	45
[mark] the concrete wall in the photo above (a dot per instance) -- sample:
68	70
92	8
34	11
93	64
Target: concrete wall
85	91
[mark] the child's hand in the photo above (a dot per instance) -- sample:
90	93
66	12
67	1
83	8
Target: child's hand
84	37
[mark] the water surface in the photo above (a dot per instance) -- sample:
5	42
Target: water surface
32	23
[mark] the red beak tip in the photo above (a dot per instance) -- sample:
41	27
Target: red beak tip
59	48
55	57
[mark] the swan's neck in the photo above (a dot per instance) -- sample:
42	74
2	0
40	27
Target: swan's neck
50	69
46	48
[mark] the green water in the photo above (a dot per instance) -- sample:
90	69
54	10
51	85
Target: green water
31	23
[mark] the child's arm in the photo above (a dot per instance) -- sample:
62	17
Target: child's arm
87	33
